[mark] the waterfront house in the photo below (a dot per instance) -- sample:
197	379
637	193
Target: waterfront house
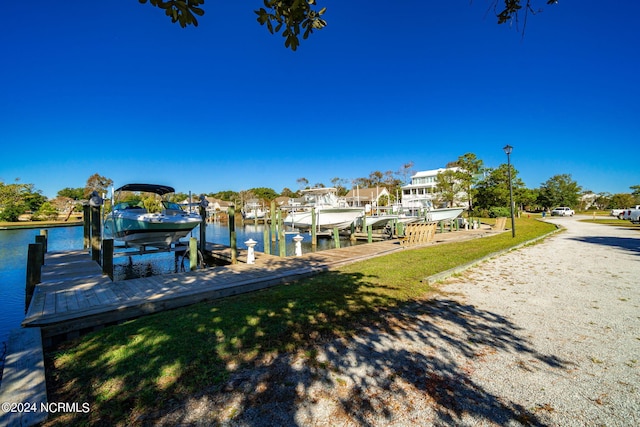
375	196
423	190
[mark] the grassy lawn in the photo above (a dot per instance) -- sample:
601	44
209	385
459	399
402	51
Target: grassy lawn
138	367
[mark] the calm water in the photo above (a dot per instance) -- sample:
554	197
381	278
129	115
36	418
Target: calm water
13	268
13	260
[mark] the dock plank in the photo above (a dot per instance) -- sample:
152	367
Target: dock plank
82	300
23	378
72	300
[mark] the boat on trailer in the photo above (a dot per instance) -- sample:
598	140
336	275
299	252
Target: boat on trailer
132	223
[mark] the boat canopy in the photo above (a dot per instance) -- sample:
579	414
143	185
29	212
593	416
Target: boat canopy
148	188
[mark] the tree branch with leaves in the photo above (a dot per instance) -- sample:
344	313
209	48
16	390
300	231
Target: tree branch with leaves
302	17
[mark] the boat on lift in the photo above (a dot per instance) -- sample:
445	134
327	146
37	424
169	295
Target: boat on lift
130	222
331	212
423	210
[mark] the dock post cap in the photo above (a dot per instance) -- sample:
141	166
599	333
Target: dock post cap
251	257
298	239
95	200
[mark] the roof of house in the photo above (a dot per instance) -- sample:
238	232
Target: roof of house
366	193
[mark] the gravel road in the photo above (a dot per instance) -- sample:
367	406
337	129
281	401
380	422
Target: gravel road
546	335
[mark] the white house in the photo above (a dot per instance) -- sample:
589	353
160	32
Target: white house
367	196
422	190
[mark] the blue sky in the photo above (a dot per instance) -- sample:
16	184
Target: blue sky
115	88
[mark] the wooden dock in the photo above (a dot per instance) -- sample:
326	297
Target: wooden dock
75	296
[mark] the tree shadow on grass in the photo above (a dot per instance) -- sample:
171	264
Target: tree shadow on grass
270	358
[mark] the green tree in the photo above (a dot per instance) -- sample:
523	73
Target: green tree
559	190
493	190
469	175
405	173
302	17
622	200
286	192
151	203
528	199
32	197
603	201
448	186
46	212
17	198
635	191
11	203
72	193
97	183
302	183
339	184
179	197
226	195
264	193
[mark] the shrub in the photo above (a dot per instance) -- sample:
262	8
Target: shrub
496	212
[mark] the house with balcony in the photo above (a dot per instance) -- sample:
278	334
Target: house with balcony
422	192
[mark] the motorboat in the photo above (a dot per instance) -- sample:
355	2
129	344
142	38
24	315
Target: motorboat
330	211
423	210
381	220
441	214
253	211
131	222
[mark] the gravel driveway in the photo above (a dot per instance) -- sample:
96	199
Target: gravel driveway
545	335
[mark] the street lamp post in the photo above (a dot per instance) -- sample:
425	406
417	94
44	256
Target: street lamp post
508	149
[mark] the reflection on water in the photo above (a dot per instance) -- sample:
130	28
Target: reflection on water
14	245
13	259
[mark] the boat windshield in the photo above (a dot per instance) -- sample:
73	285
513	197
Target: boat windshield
128	205
171	206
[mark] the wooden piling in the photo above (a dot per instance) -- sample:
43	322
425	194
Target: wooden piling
193	254
336	237
86	216
314	237
107	257
273	221
203	229
96	233
45	233
42	241
232	235
35	259
266	241
282	241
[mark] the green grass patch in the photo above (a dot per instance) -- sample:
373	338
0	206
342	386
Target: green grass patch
136	367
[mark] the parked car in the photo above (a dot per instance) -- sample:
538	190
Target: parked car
626	213
562	211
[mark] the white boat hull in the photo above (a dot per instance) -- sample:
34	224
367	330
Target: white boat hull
443	214
380	221
326	219
150	229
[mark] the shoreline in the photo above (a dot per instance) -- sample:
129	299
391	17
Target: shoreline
38	224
